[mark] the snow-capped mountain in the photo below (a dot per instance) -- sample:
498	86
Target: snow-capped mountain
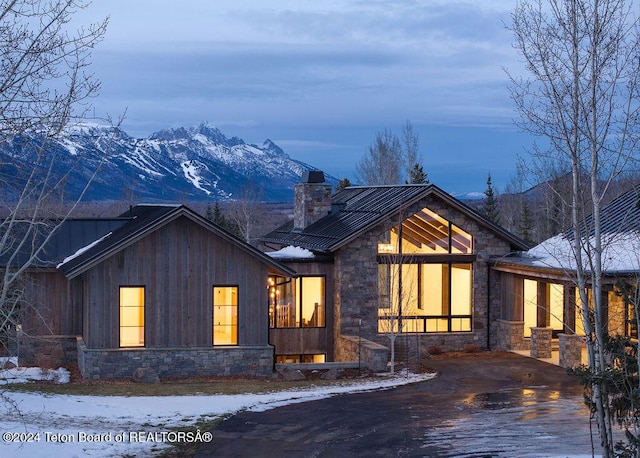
195	163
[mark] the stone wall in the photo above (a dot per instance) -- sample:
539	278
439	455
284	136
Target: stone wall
541	342
175	362
570	346
510	336
372	355
46	351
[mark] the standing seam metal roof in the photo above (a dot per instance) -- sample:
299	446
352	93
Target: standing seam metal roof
356	209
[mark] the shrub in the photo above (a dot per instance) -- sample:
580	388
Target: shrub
435	350
472	348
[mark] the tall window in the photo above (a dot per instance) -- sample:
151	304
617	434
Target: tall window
425	276
297	303
225	315
132	316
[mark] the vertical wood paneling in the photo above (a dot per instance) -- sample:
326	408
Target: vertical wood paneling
178	264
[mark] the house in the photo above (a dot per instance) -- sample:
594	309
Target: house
539	286
158	287
369	253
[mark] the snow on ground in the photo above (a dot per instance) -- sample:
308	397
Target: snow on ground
101	426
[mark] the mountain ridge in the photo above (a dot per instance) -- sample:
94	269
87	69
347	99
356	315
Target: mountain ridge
197	163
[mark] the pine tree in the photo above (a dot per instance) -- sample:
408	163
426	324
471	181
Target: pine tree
490	208
417	175
525	225
343	183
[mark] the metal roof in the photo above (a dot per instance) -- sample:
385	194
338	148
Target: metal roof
358	209
145	219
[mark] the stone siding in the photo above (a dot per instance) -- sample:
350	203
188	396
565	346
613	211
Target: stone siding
541	342
175	362
510	336
46	351
371	355
570	346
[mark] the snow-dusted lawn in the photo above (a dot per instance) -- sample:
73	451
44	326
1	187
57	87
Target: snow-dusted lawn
99	426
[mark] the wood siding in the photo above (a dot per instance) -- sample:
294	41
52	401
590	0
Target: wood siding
178	264
52	306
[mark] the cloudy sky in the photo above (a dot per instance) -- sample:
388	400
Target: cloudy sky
320	78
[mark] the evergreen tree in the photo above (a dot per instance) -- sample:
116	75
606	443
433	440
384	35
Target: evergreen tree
343	183
417	175
490	208
525	225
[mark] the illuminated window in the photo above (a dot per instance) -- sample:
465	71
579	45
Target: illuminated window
299	303
426	232
225	315
425	297
297	359
132	316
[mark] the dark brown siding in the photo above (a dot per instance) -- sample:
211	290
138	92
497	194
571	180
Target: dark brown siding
178	265
52	307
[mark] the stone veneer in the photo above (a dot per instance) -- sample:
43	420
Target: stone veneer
541	342
175	362
570	346
46	351
311	202
509	336
372	355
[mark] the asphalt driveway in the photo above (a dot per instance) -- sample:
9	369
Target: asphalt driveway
479	405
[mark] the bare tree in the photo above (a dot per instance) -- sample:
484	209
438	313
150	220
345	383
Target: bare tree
383	162
246	210
581	95
44	87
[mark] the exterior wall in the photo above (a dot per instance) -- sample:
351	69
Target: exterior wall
178	264
176	362
48	352
52	305
356	282
297	341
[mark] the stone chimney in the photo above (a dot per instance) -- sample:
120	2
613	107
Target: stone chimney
312	199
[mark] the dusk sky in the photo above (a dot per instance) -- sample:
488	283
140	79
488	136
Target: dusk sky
320	78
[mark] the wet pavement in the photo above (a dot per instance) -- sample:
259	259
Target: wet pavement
481	405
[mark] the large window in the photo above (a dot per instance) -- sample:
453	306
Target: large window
425	276
225	315
425	297
426	232
297	303
132	316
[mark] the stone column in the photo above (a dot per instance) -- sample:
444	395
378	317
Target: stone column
510	335
570	350
541	342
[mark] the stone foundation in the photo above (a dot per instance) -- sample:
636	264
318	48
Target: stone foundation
372	355
46	351
570	346
541	342
175	362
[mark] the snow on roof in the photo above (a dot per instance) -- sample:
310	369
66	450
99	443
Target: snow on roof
82	250
620	252
292	252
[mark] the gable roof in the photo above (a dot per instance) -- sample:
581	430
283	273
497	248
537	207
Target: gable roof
620	231
358	209
145	219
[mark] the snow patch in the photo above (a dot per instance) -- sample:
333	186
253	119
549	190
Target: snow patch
191	173
82	250
292	252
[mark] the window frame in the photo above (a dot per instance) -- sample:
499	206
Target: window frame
297	296
237	314
144	319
